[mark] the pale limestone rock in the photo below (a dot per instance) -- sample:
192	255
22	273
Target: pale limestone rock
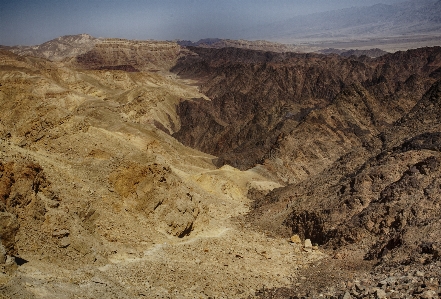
308	245
296	239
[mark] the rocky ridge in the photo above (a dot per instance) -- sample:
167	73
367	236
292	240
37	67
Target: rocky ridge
59	48
373	53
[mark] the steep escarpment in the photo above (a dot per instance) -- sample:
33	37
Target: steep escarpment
265	105
129	55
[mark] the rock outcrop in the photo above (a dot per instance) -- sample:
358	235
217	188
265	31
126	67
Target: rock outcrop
22	184
150	187
8	230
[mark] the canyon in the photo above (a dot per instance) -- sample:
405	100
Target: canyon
134	169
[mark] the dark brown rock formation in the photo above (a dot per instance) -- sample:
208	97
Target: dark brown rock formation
387	204
297	110
381	205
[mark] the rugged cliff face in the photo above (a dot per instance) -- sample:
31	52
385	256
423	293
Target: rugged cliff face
265	107
383	204
130	55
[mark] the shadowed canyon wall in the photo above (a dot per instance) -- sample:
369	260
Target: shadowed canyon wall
265	107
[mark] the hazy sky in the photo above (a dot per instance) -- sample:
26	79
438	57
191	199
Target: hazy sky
24	22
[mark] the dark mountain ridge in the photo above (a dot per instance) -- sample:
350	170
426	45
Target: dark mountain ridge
263	102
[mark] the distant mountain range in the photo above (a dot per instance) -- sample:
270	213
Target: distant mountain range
400	26
58	48
422	17
261	45
394	27
347	53
88	50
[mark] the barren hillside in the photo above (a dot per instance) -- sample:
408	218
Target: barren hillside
134	169
98	201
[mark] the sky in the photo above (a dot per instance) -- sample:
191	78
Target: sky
25	22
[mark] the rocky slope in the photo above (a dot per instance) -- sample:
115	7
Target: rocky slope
265	106
380	205
362	165
96	200
386	183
